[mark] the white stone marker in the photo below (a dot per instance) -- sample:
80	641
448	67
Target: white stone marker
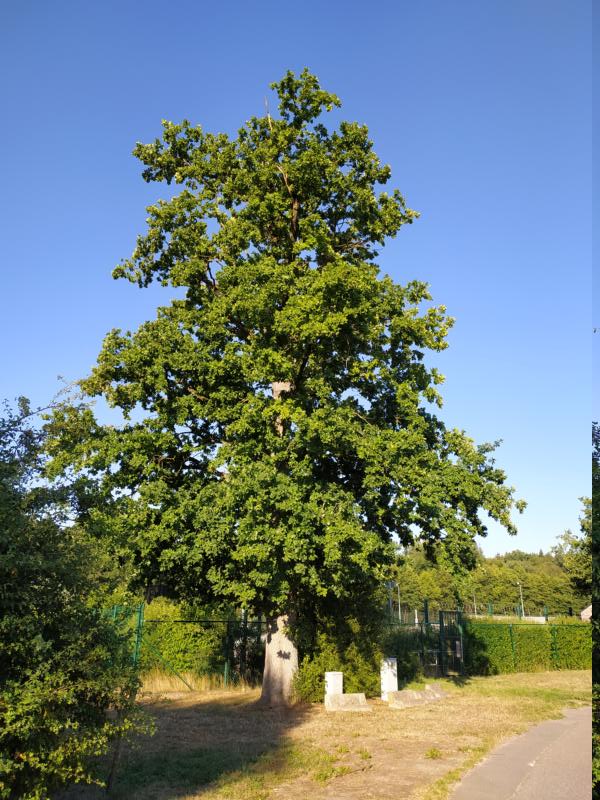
389	676
334	683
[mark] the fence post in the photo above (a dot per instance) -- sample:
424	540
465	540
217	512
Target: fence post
459	620
227	665
138	634
546	613
512	645
426	612
259	631
490	609
244	644
442	644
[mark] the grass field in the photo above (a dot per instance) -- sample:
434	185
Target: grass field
223	746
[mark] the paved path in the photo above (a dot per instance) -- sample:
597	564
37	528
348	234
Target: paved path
552	761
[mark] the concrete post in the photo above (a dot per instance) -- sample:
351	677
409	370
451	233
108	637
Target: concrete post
334	683
389	676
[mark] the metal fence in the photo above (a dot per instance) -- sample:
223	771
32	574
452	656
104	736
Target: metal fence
231	650
435	642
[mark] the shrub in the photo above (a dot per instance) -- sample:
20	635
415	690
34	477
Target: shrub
405	644
348	648
63	665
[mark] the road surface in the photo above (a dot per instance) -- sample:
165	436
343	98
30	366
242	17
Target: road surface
552	761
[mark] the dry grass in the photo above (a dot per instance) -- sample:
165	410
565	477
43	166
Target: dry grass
159	682
223	746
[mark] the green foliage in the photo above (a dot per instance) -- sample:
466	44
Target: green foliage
282	432
347	647
185	647
489	649
575	553
572	646
596	741
595	520
545	581
62	664
492	649
405	643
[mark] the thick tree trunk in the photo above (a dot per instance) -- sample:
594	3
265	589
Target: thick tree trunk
281	662
281	654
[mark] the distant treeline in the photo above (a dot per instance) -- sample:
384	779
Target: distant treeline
543	578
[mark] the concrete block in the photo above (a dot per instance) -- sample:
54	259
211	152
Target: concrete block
406	698
389	676
411	697
346	702
334	683
433	691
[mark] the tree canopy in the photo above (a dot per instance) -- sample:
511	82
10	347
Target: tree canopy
279	431
494	582
575	552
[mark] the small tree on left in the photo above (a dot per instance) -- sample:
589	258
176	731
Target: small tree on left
63	665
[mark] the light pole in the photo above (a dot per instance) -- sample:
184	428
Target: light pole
390	587
521	593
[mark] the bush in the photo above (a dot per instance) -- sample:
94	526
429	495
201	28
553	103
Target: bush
63	665
533	647
348	648
405	644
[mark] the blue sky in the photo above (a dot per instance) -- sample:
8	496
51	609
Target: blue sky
483	110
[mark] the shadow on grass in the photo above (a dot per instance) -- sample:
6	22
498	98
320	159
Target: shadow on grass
199	744
459	680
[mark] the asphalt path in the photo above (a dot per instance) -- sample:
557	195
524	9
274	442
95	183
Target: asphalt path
552	761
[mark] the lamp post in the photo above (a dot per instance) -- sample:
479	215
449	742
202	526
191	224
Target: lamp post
521	594
390	586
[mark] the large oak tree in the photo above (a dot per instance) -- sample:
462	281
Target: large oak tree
278	433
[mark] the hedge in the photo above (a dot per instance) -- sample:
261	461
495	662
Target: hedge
180	646
492	648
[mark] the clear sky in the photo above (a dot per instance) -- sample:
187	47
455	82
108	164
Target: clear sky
483	110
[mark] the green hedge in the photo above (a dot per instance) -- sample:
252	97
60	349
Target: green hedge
201	645
492	648
185	647
573	646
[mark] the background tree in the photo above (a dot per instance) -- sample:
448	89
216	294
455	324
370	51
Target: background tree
544	580
62	665
575	553
278	430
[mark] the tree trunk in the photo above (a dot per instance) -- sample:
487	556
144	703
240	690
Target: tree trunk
281	662
281	654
